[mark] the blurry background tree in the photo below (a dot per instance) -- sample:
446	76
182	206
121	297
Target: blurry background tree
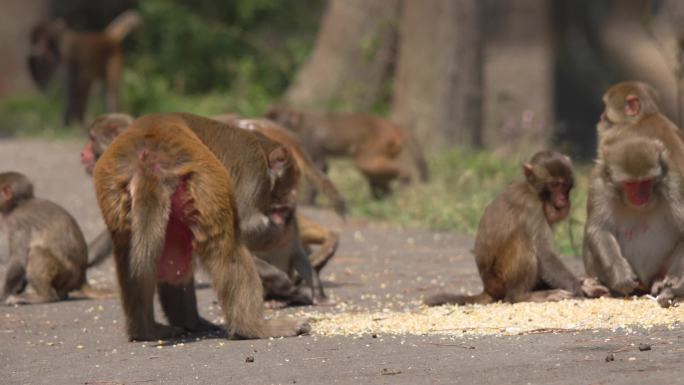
506	75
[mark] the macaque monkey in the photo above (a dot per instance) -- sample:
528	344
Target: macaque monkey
374	143
631	109
89	56
282	283
296	257
290	254
635	215
46	246
514	243
280	134
165	188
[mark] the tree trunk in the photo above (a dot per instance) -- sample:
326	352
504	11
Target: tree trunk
519	76
438	84
352	56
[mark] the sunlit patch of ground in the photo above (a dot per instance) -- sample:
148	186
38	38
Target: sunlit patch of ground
500	318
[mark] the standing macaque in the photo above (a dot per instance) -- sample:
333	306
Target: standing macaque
631	109
290	254
374	143
514	243
46	247
281	135
165	188
635	216
89	56
297	257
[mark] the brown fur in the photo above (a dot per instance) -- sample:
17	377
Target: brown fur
47	249
89	56
514	243
165	160
281	135
637	247
277	283
290	254
374	143
631	109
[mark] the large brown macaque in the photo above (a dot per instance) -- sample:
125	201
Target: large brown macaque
373	142
280	134
635	216
47	251
514	243
297	257
88	56
165	188
631	109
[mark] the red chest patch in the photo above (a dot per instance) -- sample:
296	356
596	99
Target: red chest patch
175	263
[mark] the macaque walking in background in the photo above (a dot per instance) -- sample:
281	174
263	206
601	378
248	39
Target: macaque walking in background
88	56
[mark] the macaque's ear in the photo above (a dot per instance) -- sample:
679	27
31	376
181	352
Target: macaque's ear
528	170
632	105
278	159
6	192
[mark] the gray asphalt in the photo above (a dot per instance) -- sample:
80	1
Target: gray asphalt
82	341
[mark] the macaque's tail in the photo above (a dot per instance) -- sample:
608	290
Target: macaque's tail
418	156
321	181
95	293
150	210
123	24
454	299
99	249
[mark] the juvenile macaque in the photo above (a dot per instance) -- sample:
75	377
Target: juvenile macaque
46	247
165	188
374	143
293	256
635	215
631	109
89	56
514	243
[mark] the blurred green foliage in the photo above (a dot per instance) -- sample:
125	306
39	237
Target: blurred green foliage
463	182
202	56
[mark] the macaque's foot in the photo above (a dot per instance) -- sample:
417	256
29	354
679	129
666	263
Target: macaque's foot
157	331
591	288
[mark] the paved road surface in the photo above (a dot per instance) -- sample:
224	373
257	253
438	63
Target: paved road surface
82	341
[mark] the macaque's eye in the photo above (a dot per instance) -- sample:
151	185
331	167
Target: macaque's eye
556	185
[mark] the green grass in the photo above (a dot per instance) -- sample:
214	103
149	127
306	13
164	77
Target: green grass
462	184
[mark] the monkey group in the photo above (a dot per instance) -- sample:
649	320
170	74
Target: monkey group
633	236
178	191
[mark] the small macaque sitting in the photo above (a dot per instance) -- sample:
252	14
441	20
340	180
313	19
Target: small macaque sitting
635	216
47	249
514	244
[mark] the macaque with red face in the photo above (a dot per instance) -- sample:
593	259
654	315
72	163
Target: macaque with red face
635	216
